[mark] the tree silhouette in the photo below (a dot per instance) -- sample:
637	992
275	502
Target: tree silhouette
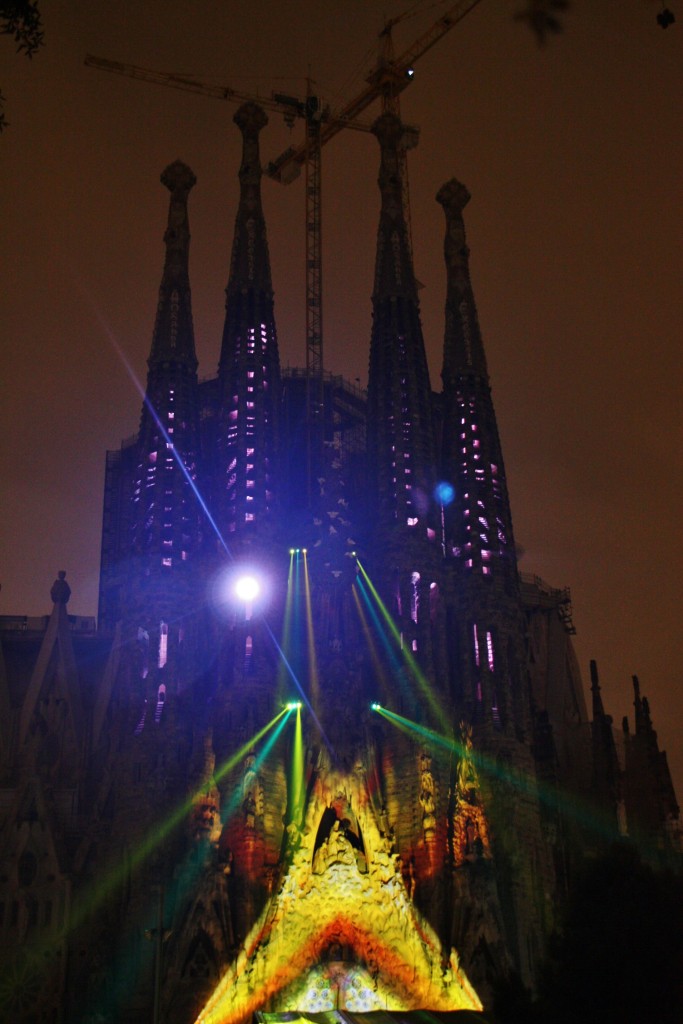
619	956
21	20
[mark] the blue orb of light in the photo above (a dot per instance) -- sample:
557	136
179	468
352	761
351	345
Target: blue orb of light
444	492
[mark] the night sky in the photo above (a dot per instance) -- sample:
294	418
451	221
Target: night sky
574	157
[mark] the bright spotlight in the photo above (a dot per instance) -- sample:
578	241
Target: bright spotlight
375	706
293	705
247	588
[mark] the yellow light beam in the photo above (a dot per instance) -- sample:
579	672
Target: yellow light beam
310	636
287	628
297	781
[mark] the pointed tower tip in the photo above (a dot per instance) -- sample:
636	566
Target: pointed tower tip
250	117
178	177
453	196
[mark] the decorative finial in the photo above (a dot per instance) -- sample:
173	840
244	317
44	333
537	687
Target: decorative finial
453	196
178	177
61	591
250	118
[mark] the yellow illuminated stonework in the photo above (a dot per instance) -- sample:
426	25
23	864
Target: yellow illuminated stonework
471	839
340	932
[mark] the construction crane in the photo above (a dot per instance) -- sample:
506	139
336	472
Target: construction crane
387	80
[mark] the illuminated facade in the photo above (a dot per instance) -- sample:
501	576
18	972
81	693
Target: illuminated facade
364	782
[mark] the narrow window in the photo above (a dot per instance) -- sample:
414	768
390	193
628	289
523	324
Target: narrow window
489	650
161	700
414	596
163	643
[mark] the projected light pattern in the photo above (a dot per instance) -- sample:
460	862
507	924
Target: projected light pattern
340	984
332	923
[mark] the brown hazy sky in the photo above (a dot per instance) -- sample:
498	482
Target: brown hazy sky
574	157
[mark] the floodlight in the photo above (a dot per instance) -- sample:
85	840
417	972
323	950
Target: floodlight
247	588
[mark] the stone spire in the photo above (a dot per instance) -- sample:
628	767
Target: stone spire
165	516
400	435
463	348
479	521
173	332
249	368
651	806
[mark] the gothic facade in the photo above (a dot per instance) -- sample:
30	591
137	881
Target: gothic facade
366	780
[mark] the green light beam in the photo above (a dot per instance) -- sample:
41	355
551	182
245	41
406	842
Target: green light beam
372	646
117	874
397	668
565	804
408	656
232	804
193	864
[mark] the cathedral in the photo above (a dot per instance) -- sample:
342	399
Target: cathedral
326	749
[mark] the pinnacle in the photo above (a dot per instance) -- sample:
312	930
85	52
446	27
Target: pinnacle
250	118
178	177
453	196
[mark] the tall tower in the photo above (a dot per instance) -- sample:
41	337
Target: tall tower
487	629
249	367
399	395
478	522
165	533
401	453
